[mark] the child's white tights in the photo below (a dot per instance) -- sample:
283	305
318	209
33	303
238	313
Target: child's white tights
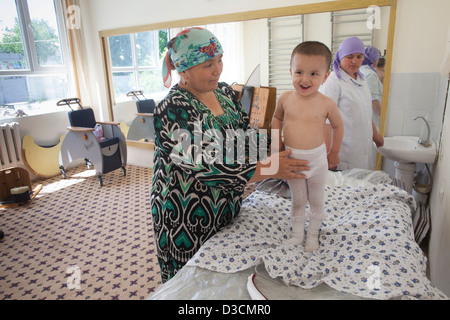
311	189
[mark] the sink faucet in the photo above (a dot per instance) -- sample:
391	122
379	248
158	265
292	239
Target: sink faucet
426	142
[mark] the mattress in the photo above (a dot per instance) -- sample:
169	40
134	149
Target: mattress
367	248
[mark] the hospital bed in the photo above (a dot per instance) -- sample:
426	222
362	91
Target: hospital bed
367	248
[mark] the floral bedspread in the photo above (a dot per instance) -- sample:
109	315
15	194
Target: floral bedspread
367	245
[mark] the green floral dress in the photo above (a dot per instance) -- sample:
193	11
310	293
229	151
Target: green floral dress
201	167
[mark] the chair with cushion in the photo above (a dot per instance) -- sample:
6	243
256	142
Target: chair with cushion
101	144
142	126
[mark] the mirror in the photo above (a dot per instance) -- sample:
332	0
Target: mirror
329	22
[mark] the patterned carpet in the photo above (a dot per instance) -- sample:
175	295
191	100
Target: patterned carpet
80	241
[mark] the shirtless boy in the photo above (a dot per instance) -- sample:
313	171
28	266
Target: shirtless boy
301	115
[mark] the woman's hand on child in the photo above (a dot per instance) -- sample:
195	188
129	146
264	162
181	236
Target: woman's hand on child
289	168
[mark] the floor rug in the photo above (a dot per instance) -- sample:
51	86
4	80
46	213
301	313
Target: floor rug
80	241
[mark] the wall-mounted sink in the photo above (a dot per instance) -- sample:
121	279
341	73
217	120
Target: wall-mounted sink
407	149
406	152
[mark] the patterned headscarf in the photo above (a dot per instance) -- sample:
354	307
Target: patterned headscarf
372	54
348	46
189	48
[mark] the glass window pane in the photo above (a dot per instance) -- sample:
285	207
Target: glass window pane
32	94
147	49
12	53
45	32
123	82
121	53
151	82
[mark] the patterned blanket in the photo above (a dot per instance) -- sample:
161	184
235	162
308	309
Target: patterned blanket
367	245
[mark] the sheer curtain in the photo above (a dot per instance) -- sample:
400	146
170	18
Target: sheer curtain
72	18
231	38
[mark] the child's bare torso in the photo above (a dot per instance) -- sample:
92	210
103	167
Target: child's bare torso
304	120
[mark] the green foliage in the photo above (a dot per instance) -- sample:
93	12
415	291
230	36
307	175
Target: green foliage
45	37
147	70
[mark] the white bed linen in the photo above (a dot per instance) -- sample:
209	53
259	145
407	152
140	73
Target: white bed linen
367	249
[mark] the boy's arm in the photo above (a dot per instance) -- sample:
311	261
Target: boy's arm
337	126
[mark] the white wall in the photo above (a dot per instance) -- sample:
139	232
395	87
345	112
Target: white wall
440	214
420	35
419	47
44	128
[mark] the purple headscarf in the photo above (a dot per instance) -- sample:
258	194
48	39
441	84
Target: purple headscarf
348	46
372	55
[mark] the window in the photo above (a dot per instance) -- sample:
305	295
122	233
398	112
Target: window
231	38
136	63
230	35
284	34
136	59
34	58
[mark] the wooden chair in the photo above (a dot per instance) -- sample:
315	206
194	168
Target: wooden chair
13	178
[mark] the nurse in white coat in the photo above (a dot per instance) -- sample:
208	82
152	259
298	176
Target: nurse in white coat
347	87
372	56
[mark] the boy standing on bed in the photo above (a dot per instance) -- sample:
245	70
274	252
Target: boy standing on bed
301	115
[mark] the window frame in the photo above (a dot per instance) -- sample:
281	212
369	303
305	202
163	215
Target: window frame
135	69
29	44
34	68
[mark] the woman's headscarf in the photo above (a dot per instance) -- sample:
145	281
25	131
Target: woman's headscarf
189	48
372	55
348	46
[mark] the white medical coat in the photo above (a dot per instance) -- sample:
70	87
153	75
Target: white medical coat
375	87
354	102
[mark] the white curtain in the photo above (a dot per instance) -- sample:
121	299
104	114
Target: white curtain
72	17
231	38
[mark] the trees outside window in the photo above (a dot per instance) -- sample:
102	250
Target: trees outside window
34	57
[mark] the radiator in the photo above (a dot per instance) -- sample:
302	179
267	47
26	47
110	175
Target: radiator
10	145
